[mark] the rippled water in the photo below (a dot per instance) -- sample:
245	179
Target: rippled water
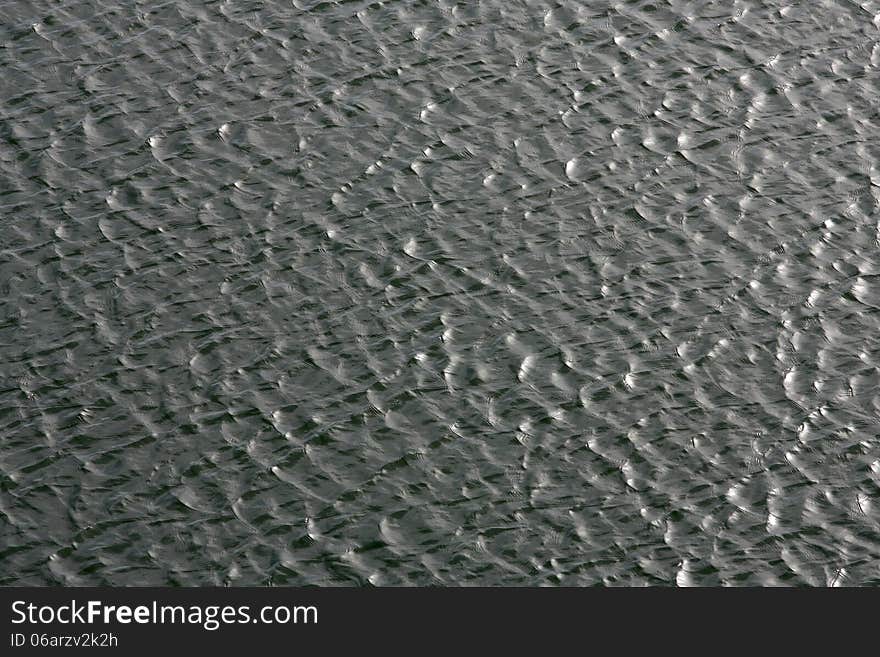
439	293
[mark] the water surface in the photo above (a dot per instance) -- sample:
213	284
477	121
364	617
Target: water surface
419	293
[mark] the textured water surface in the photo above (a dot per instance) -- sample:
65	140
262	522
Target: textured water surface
408	293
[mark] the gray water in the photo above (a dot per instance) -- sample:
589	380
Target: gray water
417	293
